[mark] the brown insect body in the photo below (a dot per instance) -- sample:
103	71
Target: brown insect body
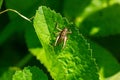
62	36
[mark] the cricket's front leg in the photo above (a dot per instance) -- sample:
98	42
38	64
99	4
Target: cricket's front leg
57	40
57	27
65	39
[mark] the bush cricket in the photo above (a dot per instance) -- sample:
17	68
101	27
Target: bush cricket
62	35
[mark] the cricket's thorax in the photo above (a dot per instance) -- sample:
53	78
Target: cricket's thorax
63	34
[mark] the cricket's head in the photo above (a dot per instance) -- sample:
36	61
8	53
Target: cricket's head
65	30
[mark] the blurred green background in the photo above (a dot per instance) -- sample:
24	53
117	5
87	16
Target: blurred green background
97	20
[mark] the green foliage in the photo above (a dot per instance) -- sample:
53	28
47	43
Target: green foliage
29	73
22	75
26	9
77	7
71	62
105	21
27	43
7	75
102	17
1	1
105	60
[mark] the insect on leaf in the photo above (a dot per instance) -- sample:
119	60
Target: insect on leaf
74	61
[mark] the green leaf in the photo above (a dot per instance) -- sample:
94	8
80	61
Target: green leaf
1	1
74	62
7	75
31	38
95	17
73	8
102	23
108	65
78	10
22	75
114	77
29	73
37	74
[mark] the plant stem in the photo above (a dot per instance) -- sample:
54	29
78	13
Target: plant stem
17	13
25	60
